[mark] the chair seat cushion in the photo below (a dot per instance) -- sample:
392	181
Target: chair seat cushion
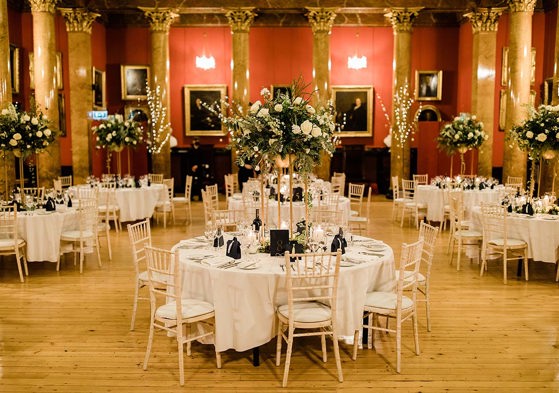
111	208
386	300
511	243
408	274
160	278
307	312
179	199
357	219
418	205
191	308
76	235
467	233
11	243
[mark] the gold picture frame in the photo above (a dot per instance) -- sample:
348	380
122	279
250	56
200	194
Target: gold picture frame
139	113
133	81
353	107
98	77
505	66
61	114
428	113
59	73
198	118
429	85
547	98
502	109
14	68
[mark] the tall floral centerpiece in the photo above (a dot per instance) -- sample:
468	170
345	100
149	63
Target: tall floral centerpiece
285	131
24	133
538	135
464	133
114	134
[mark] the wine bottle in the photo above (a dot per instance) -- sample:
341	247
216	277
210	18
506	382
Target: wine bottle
257	222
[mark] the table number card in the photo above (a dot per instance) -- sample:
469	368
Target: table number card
279	241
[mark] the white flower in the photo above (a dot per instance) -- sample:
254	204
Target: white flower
127	139
13	142
47	132
298	101
257	168
529	134
316	131
119	118
297	130
254	108
101	126
114	133
25	117
473	117
39	134
306	127
255	148
557	136
310	109
17	136
307	150
271	141
109	137
470	135
541	137
456	136
264	92
34	121
278	107
263	112
5	112
45	143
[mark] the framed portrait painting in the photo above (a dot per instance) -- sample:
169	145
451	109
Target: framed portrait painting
14	68
281	89
133	82
139	113
428	85
202	106
353	107
98	88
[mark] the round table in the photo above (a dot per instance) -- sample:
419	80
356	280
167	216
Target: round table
245	301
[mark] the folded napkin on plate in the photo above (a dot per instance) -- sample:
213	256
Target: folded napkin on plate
194	243
194	254
356	257
218	261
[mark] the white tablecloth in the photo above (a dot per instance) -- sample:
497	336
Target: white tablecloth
236	203
433	197
136	203
245	300
41	230
541	232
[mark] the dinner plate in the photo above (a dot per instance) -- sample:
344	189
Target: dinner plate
249	266
377	247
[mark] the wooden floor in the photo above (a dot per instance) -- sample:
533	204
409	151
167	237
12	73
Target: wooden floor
69	332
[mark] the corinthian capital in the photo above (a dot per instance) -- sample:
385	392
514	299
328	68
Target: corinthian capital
160	19
43	5
402	18
485	19
240	19
321	19
522	5
78	19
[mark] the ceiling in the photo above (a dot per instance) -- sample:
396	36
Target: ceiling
282	12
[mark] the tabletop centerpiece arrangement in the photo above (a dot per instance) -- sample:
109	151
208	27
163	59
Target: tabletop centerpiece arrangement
538	135
464	133
24	133
114	133
286	132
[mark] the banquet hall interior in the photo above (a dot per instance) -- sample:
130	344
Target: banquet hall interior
122	115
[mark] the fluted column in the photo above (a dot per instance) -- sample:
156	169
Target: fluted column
7	173
321	21
78	25
46	91
518	92
240	21
402	25
160	22
484	25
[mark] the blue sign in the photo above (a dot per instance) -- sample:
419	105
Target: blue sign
98	115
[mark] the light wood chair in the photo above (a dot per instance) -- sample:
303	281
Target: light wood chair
312	287
155	178
85	237
57	184
416	210
395	304
164	205
212	192
37	193
10	242
360	221
398	199
460	232
178	201
422	179
496	240
170	311
66	181
337	184
103	223
207	201
228	220
328	218
231	185
355	193
109	208
140	236
516	182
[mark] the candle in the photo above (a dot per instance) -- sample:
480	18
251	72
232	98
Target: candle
283	225
318	233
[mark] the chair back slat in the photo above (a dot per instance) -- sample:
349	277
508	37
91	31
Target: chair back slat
140	236
410	260
164	276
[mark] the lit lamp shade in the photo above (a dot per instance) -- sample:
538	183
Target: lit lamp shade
356	63
205	62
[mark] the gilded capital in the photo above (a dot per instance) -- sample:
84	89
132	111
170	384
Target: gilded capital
485	19
43	5
160	19
402	18
321	19
240	19
78	19
522	5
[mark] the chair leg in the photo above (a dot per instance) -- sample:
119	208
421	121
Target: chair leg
337	355
181	360
109	248
135	306
288	356
398	346
324	354
150	342
526	264
428	307
355	344
278	344
505	266
415	332
18	263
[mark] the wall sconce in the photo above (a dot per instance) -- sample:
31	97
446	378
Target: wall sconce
356	62
205	62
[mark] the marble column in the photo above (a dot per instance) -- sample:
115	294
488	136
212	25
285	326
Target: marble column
160	22
7	172
78	25
518	92
402	24
484	25
45	76
321	21
240	20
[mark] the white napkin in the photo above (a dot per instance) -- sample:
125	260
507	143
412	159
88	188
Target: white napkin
194	254
356	257
218	260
